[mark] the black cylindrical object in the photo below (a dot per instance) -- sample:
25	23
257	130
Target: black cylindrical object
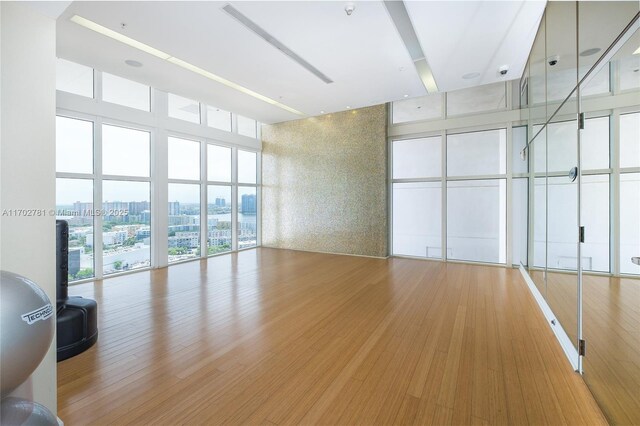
62	262
76	317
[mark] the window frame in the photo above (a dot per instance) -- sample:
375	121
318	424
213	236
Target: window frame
160	126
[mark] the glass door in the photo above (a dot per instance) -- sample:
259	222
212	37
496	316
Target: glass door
609	64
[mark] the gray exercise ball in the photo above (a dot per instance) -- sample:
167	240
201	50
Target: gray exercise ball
27	323
21	412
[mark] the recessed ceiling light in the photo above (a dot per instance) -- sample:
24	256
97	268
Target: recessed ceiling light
179	62
637	52
590	52
471	75
406	96
133	63
321	112
348	107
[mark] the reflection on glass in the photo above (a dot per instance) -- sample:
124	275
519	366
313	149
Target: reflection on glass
540	223
74	78
561	39
519	143
74	145
477	153
125	92
417	158
184	221
629	140
478	233
247	167
416	109
520	226
184	159
74	203
417	219
247	211
628	74
125	152
184	109
561	141
594	143
218	163
563	145
629	222
562	223
597	84
126	226
218	219
595	219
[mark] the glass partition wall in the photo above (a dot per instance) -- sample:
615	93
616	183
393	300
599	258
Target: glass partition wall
581	90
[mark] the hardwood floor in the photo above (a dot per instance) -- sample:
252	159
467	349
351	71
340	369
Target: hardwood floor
611	324
273	336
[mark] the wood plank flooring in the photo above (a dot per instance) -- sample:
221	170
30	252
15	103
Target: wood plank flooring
279	337
611	327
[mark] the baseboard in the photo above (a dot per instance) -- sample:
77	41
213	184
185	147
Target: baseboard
565	342
325	252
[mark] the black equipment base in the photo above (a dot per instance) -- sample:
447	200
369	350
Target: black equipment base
77	326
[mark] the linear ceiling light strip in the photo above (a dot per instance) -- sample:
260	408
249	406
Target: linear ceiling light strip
179	62
260	32
400	17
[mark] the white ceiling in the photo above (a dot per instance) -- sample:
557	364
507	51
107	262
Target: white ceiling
362	53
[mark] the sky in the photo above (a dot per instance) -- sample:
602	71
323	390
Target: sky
126	152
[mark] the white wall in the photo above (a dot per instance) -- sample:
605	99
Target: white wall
27	161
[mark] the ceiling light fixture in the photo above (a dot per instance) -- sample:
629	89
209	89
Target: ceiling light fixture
179	62
400	17
637	52
321	112
348	107
406	96
471	75
590	52
133	63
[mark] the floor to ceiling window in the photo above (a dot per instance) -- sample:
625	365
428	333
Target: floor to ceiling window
449	188
219	199
116	156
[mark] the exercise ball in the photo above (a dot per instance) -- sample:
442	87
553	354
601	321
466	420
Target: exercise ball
19	412
27	321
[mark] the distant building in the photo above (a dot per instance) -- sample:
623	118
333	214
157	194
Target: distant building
82	208
142	233
138	207
74	261
174	208
185	239
248	204
109	238
221	202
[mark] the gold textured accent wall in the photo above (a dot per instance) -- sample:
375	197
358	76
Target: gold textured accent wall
324	183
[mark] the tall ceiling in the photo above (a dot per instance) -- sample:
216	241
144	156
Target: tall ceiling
362	53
